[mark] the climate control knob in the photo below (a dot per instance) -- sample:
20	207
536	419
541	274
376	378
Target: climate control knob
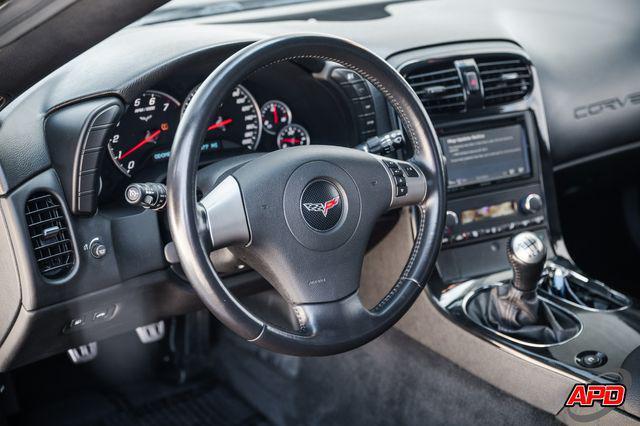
531	204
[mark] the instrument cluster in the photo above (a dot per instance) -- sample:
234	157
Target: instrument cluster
145	133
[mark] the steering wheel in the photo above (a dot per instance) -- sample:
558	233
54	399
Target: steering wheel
302	217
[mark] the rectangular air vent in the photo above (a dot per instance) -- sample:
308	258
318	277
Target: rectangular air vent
49	234
505	78
438	86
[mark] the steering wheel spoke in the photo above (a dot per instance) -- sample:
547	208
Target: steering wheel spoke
224	215
332	320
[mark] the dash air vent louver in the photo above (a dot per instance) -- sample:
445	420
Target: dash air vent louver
505	78
49	234
438	86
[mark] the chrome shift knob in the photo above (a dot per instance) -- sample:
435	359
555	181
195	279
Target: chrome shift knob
526	254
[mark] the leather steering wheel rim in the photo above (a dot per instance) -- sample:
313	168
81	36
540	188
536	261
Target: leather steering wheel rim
327	325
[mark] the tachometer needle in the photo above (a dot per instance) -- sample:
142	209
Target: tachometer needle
139	145
220	124
275	113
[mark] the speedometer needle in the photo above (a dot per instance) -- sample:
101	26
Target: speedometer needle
220	124
139	145
275	113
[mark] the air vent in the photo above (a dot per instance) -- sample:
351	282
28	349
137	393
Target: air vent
439	87
49	234
505	78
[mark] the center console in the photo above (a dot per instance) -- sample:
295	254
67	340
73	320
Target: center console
495	189
486	105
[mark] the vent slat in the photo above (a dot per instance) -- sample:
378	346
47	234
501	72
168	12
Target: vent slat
505	95
505	78
428	97
53	251
437	81
438	86
517	85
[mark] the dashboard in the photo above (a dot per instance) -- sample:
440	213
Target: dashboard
108	118
279	107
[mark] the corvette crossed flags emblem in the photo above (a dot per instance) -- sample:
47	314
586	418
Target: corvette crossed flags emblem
323	207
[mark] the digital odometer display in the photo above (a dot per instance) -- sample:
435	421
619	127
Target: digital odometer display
486	155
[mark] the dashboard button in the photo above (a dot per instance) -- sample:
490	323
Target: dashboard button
367	123
96	138
591	359
364	106
401	191
87	182
90	160
400	180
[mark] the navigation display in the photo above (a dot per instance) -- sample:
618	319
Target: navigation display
486	156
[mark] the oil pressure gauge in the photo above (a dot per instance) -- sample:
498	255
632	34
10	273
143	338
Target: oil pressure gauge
293	135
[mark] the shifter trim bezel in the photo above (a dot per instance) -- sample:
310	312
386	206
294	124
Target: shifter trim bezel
472	293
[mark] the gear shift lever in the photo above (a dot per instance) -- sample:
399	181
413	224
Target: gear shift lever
526	254
515	309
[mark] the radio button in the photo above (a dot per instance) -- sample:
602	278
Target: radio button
530	204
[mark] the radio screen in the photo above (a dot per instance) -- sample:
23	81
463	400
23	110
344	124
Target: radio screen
486	155
489	212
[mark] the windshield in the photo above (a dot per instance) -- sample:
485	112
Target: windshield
184	9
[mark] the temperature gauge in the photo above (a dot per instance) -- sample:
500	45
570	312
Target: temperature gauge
293	135
275	116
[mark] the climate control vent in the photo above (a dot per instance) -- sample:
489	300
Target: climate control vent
438	86
505	78
49	234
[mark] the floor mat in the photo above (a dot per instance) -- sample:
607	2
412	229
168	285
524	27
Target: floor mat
391	381
147	404
199	406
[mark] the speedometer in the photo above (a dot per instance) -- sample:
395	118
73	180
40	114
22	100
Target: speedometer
236	123
148	123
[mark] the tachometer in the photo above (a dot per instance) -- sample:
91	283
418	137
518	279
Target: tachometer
237	122
149	122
